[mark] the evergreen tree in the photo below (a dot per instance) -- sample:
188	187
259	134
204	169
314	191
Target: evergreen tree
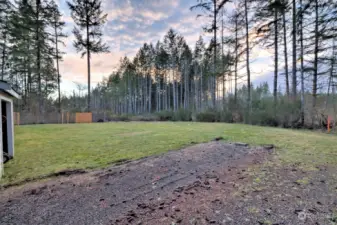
269	33
58	26
89	18
21	54
212	9
44	51
294	49
172	46
31	52
246	10
198	58
5	10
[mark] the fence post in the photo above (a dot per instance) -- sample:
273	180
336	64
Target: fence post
328	124
16	118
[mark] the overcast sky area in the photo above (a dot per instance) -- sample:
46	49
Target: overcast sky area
130	24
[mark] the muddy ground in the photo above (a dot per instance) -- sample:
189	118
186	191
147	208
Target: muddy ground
213	183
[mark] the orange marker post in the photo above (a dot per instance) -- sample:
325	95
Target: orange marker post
328	124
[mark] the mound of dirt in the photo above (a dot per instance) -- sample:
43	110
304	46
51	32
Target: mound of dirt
212	183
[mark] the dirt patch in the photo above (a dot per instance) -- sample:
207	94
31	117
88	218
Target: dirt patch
65	173
212	183
237	196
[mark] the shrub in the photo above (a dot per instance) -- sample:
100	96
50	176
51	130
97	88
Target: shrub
225	116
213	115
165	115
208	116
120	118
182	115
147	117
264	118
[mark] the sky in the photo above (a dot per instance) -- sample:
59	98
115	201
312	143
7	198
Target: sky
130	24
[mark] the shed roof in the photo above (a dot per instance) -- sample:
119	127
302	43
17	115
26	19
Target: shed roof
6	87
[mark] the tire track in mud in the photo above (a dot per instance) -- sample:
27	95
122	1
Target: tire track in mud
112	196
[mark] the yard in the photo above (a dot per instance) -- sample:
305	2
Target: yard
292	183
41	150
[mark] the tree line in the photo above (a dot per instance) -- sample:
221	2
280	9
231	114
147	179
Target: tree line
170	75
215	75
32	34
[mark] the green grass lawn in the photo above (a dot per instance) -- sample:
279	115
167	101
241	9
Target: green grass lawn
44	149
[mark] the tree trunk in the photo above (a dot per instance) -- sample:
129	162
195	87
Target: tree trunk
4	51
38	59
302	65
29	72
201	90
332	75
88	59
169	96
175	98
181	89
157	92
129	95
213	82
178	95
166	91
196	93
236	60
294	76
150	94
160	92
247	62
209	89
276	57
285	50
143	96
57	68
314	84
222	61
3	59
186	88
74	97
329	85
25	84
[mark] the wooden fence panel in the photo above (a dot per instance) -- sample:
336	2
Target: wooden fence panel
84	117
16	118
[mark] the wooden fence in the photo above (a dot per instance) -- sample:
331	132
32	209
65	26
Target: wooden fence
16	118
22	118
83	117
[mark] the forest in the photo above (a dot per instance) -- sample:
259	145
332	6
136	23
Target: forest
170	80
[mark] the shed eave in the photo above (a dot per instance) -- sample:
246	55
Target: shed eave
6	87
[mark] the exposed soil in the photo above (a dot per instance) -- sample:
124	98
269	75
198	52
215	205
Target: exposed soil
213	183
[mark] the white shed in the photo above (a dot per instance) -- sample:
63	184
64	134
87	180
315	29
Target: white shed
7	94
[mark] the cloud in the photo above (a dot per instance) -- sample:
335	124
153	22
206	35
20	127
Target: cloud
131	23
123	12
67	19
74	68
152	15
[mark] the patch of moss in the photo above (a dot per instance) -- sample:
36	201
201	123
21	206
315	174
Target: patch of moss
303	181
253	210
